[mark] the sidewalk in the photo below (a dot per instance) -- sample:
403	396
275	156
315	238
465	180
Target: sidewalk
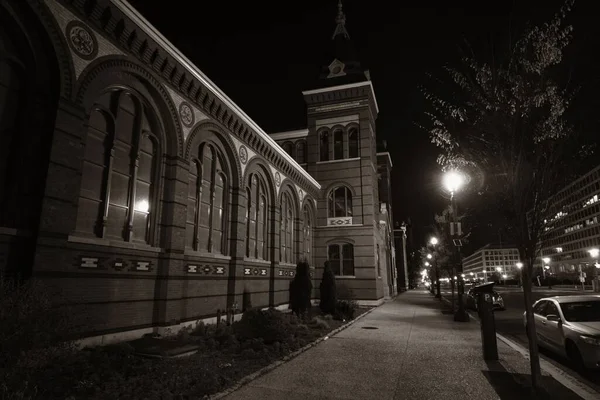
415	352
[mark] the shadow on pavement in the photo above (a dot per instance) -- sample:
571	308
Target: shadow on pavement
513	386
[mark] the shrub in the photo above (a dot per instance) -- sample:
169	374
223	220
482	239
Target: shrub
300	289
319	323
271	326
346	309
328	292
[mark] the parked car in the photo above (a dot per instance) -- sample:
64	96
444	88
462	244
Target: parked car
498	301
570	326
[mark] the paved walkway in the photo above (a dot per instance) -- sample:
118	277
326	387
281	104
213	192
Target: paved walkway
416	352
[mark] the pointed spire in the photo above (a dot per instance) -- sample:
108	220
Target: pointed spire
340	20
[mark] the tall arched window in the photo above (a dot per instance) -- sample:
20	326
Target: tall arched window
256	217
306	235
301	151
288	147
207	201
353	143
338	144
340	202
287	230
120	170
324	146
12	96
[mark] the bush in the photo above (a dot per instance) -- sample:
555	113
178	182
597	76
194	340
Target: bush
346	309
271	326
328	292
301	289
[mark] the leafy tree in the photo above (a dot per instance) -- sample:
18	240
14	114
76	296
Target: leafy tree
503	122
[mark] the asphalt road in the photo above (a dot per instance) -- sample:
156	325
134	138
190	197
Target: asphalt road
510	323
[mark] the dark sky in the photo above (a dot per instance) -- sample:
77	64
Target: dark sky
263	54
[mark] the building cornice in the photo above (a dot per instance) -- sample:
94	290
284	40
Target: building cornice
386	153
300	133
345	87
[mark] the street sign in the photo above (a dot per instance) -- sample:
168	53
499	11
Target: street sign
455	229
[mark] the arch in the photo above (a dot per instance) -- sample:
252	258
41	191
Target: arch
335	184
258	165
308	220
288	147
300	146
48	40
340	202
209	200
210	131
287	185
31	81
258	216
323	136
119	71
122	169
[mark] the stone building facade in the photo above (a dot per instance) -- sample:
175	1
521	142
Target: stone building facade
133	184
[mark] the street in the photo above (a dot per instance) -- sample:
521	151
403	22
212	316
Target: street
510	324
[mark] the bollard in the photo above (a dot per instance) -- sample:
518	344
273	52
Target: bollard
485	309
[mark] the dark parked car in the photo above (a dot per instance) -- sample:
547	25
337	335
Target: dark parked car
497	299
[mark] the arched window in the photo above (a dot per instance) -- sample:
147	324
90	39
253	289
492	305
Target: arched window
324	146
338	144
353	143
207	201
12	96
256	219
301	151
340	202
287	230
288	147
306	235
341	258
120	170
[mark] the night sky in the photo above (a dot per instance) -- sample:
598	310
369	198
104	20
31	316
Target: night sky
263	54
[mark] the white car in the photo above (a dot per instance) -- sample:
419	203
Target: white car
570	326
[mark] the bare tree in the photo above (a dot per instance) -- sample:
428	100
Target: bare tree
503	122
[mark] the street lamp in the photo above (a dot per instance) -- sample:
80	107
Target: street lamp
433	241
453	181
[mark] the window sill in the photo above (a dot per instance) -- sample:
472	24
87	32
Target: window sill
14	232
338	161
257	260
194	253
281	264
345	277
113	243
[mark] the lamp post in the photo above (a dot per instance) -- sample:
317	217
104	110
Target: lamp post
520	267
433	241
453	181
594	253
404	258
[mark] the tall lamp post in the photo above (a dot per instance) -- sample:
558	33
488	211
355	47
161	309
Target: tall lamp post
595	253
453	181
403	229
433	241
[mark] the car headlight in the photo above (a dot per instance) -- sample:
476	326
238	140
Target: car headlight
590	340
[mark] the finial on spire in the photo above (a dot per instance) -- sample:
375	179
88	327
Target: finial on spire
340	20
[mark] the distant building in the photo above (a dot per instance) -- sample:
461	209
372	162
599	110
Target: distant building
492	260
573	228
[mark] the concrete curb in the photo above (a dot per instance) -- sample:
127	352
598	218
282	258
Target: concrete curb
249	378
578	387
